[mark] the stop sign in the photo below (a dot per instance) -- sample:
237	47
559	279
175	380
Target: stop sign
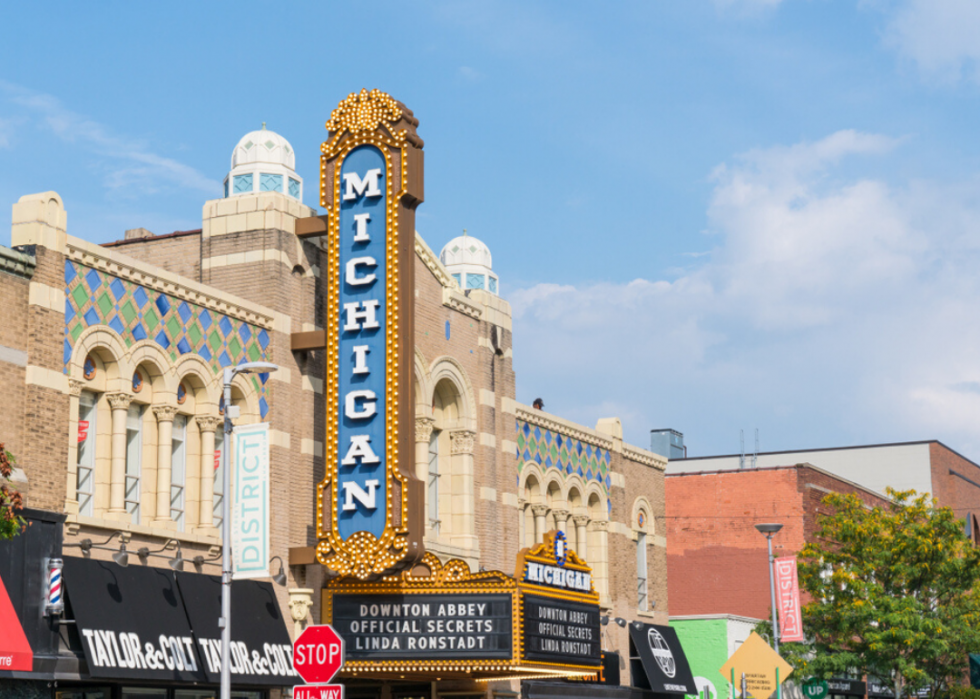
318	654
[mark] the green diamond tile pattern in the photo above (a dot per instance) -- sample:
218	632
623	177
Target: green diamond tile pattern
569	455
146	314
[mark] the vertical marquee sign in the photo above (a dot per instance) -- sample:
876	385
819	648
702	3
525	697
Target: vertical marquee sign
370	503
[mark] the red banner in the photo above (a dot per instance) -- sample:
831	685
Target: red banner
217	459
788	600
82	430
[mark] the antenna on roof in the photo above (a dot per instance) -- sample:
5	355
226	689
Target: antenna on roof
741	458
755	454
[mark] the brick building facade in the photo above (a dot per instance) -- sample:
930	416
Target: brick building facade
111	359
716	559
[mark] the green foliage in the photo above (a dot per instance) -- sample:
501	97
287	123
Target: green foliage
895	594
11	524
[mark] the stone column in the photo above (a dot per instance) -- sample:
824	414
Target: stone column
600	557
71	495
463	490
119	402
561	517
423	435
540	512
165	433
206	426
581	521
300	601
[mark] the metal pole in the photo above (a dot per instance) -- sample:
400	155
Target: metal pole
733	682
225	621
772	593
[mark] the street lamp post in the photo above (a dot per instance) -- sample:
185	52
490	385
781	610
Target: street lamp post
769	530
225	621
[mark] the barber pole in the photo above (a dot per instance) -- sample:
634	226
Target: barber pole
55	600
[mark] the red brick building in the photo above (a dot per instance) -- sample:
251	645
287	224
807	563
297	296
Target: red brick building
716	559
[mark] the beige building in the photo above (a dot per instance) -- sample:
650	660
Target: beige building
111	359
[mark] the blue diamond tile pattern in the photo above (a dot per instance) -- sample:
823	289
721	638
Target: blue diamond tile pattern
568	454
140	313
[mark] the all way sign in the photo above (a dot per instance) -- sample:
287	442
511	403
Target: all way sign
323	691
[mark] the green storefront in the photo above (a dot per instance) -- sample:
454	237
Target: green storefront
708	641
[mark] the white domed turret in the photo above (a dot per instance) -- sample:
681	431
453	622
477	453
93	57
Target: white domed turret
468	260
263	161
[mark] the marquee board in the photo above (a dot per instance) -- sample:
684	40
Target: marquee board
485	624
370	503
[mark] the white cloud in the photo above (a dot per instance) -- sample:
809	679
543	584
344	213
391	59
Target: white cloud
130	163
941	36
831	310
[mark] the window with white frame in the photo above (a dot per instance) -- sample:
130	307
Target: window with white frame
641	571
219	483
432	495
178	471
134	460
85	477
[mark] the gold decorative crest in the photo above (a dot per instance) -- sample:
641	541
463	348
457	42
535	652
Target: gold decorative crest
363	111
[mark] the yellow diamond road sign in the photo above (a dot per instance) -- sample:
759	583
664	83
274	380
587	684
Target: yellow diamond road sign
759	662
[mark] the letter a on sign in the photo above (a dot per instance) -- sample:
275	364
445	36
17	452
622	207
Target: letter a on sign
370	503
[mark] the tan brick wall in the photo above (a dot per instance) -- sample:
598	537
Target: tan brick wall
178	252
13	341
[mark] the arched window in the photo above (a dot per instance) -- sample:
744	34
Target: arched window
87	430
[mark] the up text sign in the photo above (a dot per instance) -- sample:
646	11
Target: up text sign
370	504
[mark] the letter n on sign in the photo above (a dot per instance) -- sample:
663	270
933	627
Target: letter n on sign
370	504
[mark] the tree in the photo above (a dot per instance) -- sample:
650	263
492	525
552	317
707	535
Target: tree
11	524
895	594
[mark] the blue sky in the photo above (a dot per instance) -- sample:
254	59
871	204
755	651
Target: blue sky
711	215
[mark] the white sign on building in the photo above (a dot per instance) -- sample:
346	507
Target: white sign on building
250	502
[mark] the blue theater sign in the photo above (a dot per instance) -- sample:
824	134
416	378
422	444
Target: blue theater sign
370	504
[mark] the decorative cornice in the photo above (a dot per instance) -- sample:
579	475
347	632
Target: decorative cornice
642	456
17	263
458	301
161	280
561	515
543	419
431	261
581	520
540	510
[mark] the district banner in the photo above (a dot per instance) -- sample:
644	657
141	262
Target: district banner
250	502
788	600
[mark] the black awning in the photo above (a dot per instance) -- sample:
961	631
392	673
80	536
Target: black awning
261	652
535	689
657	660
131	622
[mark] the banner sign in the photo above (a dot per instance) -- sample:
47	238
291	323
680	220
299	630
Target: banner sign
250	502
369	509
82	430
560	631
788	600
436	626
